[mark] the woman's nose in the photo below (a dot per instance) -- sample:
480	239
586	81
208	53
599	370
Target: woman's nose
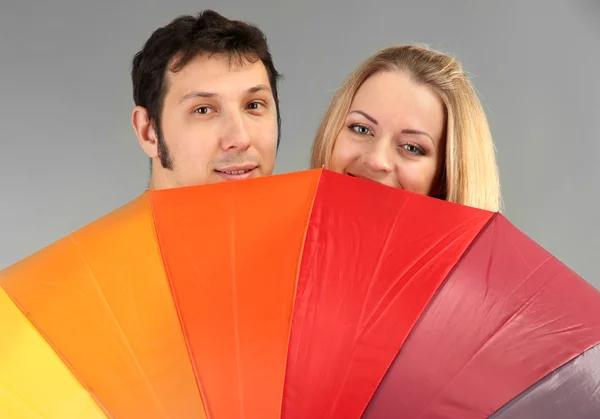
378	160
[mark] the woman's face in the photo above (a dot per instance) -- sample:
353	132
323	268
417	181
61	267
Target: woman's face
393	134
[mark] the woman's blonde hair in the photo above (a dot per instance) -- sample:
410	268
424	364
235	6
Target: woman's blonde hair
470	175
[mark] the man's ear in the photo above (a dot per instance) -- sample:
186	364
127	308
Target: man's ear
145	132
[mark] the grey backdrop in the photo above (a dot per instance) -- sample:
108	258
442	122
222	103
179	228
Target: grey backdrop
69	154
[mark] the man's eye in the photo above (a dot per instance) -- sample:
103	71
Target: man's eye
203	110
255	105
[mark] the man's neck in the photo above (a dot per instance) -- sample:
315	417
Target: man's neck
156	182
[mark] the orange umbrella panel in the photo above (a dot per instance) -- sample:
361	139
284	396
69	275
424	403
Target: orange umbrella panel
100	298
232	253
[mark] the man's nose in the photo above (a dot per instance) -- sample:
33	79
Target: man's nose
235	133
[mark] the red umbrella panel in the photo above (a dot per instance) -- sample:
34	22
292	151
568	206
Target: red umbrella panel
310	294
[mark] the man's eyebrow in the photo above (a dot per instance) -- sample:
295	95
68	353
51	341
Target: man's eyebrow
196	94
204	94
258	88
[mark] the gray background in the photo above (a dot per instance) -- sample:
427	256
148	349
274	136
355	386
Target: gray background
69	154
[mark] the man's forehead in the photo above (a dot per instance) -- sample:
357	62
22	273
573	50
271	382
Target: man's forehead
216	64
217	74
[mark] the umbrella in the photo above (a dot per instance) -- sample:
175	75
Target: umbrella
302	295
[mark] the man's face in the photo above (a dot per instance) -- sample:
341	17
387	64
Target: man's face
219	123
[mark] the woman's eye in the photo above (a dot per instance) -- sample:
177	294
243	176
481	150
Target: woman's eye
413	149
360	129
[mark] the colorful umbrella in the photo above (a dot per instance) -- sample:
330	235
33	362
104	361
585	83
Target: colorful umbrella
305	295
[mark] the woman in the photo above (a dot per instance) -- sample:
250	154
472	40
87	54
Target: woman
408	117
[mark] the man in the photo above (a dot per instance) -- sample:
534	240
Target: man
205	90
206	111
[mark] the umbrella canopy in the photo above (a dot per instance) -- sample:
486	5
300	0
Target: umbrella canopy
304	295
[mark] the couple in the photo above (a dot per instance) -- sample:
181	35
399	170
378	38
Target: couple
207	110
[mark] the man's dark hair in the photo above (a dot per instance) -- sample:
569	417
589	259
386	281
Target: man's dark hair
171	47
